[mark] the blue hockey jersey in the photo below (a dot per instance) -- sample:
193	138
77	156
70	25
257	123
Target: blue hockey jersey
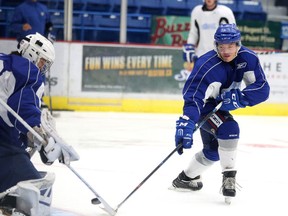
21	87
212	76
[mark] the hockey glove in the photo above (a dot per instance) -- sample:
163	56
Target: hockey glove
68	153
184	133
53	151
232	100
189	53
50	152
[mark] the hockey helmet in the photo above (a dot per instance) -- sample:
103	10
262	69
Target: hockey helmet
227	33
34	47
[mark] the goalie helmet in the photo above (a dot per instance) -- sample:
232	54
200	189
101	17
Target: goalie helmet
36	47
227	33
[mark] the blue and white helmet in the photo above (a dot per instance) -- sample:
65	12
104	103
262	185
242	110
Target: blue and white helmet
227	33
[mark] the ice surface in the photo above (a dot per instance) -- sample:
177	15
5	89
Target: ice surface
119	150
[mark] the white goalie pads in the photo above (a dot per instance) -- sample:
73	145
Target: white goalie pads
48	125
33	197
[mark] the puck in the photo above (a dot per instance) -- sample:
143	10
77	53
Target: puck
95	201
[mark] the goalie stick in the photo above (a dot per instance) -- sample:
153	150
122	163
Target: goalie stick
198	125
106	206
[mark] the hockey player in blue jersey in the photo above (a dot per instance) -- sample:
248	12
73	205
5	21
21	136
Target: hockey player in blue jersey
217	76
21	89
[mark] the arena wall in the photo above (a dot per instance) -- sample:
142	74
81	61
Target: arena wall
138	79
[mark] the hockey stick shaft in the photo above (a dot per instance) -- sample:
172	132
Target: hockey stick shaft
49	92
120	204
198	125
107	207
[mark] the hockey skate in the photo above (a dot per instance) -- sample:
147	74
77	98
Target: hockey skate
229	185
184	183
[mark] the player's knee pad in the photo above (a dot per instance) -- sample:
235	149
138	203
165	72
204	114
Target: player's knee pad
211	154
228	130
34	197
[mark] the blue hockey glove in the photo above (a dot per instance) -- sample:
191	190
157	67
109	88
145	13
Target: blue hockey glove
189	53
232	100
184	133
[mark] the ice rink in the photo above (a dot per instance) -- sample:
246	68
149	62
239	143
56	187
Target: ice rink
119	150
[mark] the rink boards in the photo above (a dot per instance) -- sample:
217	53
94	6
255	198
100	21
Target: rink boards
131	78
153	106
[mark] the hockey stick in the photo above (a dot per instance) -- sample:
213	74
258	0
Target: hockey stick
107	207
49	92
198	125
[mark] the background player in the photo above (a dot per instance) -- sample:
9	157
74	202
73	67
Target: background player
205	19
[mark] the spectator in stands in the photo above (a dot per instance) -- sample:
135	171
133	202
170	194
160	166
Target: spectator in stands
205	19
31	17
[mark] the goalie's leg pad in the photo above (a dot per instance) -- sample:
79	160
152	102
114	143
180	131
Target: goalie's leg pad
34	197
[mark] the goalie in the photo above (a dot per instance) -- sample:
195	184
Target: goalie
23	189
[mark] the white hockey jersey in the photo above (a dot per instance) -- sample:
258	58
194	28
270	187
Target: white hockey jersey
204	24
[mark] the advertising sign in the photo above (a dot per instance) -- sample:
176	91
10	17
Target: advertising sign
173	30
131	69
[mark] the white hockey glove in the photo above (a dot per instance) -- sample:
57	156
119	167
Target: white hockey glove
53	151
189	53
67	151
